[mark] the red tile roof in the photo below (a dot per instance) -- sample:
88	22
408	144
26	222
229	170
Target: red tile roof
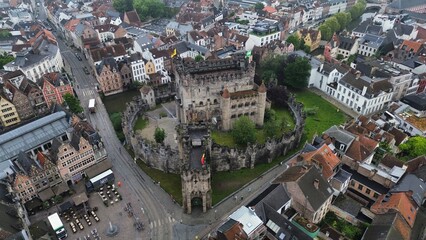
400	202
361	148
325	158
411	46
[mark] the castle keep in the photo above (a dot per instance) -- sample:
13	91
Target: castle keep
218	91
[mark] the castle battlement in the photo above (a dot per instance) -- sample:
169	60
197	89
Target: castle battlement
236	62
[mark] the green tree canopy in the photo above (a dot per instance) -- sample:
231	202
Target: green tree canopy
259	7
150	8
273	67
5	59
414	147
122	5
298	44
333	24
73	103
159	135
244	131
326	32
199	58
296	73
342	19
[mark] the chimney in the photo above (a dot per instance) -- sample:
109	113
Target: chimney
316	183
364	90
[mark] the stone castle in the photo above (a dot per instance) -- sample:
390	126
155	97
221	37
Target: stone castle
218	91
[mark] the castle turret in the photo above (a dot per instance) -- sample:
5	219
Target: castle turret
225	106
261	104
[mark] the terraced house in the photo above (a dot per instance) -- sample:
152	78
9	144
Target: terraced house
8	114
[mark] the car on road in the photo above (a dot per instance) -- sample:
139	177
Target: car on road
86	70
78	57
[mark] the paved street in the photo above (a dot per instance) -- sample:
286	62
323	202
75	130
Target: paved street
163	218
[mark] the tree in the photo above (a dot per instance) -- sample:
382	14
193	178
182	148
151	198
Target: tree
73	103
122	5
159	135
272	128
259	7
5	59
278	95
294	40
339	57
341	19
333	24
273	67
297	73
351	59
116	121
199	58
326	32
244	131
414	147
149	8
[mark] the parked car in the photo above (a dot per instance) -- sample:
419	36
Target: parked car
78	57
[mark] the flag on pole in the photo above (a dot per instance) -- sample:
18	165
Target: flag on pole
174	53
202	160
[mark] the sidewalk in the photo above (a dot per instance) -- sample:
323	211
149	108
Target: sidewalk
336	103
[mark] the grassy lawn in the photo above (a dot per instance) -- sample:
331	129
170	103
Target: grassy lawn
226	139
225	183
117	102
326	116
141	123
170	182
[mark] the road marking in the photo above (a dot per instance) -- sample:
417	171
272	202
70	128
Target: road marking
155	224
151	225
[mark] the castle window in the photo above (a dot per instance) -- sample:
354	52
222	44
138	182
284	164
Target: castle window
246	114
239	115
247	104
240	105
215	101
201	103
253	103
233	106
233	116
252	113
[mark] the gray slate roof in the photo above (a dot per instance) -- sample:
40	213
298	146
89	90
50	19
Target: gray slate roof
412	183
31	135
340	135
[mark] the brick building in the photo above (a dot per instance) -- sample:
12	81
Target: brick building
54	85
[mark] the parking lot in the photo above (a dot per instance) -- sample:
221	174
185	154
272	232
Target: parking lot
121	213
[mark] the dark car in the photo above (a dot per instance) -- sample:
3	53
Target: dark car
86	71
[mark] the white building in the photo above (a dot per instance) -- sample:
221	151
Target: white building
263	33
157	60
363	94
44	58
137	65
337	6
369	44
326	77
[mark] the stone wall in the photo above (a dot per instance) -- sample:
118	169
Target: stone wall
221	158
155	155
226	159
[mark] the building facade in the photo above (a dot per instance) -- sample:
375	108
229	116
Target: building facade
8	113
109	77
54	86
218	91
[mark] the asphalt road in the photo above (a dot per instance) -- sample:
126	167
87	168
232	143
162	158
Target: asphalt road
156	217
